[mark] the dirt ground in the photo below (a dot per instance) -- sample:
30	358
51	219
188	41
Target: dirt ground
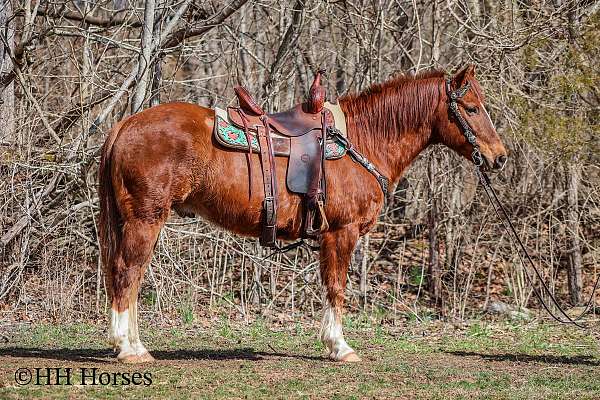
433	360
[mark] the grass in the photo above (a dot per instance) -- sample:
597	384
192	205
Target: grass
228	360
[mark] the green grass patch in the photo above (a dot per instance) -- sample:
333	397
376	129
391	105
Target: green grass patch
230	360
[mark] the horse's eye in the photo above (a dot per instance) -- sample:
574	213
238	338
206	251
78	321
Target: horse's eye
472	110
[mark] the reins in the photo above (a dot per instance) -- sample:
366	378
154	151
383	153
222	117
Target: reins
477	159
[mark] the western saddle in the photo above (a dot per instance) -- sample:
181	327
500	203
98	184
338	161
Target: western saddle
306	127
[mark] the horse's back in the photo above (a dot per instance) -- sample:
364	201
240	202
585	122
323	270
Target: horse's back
167	125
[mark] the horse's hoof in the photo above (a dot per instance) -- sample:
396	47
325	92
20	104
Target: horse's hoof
351	358
136	358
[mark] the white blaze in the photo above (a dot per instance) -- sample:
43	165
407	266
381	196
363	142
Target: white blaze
488	116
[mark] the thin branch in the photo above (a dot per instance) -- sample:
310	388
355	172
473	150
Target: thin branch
112	21
214	20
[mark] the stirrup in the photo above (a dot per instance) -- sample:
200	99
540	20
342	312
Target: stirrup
268	236
311	215
324	223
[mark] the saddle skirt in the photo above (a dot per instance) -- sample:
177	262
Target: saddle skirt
230	134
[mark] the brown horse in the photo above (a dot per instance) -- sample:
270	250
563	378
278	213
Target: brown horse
166	158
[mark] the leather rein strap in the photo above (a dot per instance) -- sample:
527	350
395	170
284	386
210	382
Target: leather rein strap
477	159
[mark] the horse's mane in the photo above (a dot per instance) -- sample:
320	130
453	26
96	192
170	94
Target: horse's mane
390	108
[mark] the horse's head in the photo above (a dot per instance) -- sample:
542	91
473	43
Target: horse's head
465	100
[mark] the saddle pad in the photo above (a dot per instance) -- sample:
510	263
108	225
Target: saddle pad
338	117
231	136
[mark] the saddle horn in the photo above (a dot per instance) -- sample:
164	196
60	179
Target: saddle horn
316	94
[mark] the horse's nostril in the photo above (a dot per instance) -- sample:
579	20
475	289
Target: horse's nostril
500	162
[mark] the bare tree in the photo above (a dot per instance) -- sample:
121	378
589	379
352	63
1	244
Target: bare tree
7	88
144	75
74	68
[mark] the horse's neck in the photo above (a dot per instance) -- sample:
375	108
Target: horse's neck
410	145
391	152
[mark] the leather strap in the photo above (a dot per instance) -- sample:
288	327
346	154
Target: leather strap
249	155
453	99
362	160
269	223
314	205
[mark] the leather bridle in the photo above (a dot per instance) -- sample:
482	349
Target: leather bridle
477	158
453	97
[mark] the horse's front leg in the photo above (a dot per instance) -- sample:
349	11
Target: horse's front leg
336	252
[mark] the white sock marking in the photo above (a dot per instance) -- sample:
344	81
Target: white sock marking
119	331
134	334
332	335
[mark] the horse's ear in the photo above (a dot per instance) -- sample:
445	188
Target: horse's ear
462	76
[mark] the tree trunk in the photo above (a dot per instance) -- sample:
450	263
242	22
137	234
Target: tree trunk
435	282
453	232
573	176
364	264
156	80
475	7
573	24
157	74
144	65
7	96
574	250
435	34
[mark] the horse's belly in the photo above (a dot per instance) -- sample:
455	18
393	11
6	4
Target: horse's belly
225	199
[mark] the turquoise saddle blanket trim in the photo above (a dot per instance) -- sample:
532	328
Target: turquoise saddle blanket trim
232	136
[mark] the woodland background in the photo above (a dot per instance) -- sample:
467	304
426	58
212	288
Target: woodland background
70	69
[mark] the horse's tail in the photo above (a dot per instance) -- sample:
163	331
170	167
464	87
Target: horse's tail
108	227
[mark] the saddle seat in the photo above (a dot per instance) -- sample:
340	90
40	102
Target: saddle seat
291	123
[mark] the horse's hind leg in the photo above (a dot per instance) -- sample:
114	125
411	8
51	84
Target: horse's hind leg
336	252
134	254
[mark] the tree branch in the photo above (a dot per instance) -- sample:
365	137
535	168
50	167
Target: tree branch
217	18
92	20
287	43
